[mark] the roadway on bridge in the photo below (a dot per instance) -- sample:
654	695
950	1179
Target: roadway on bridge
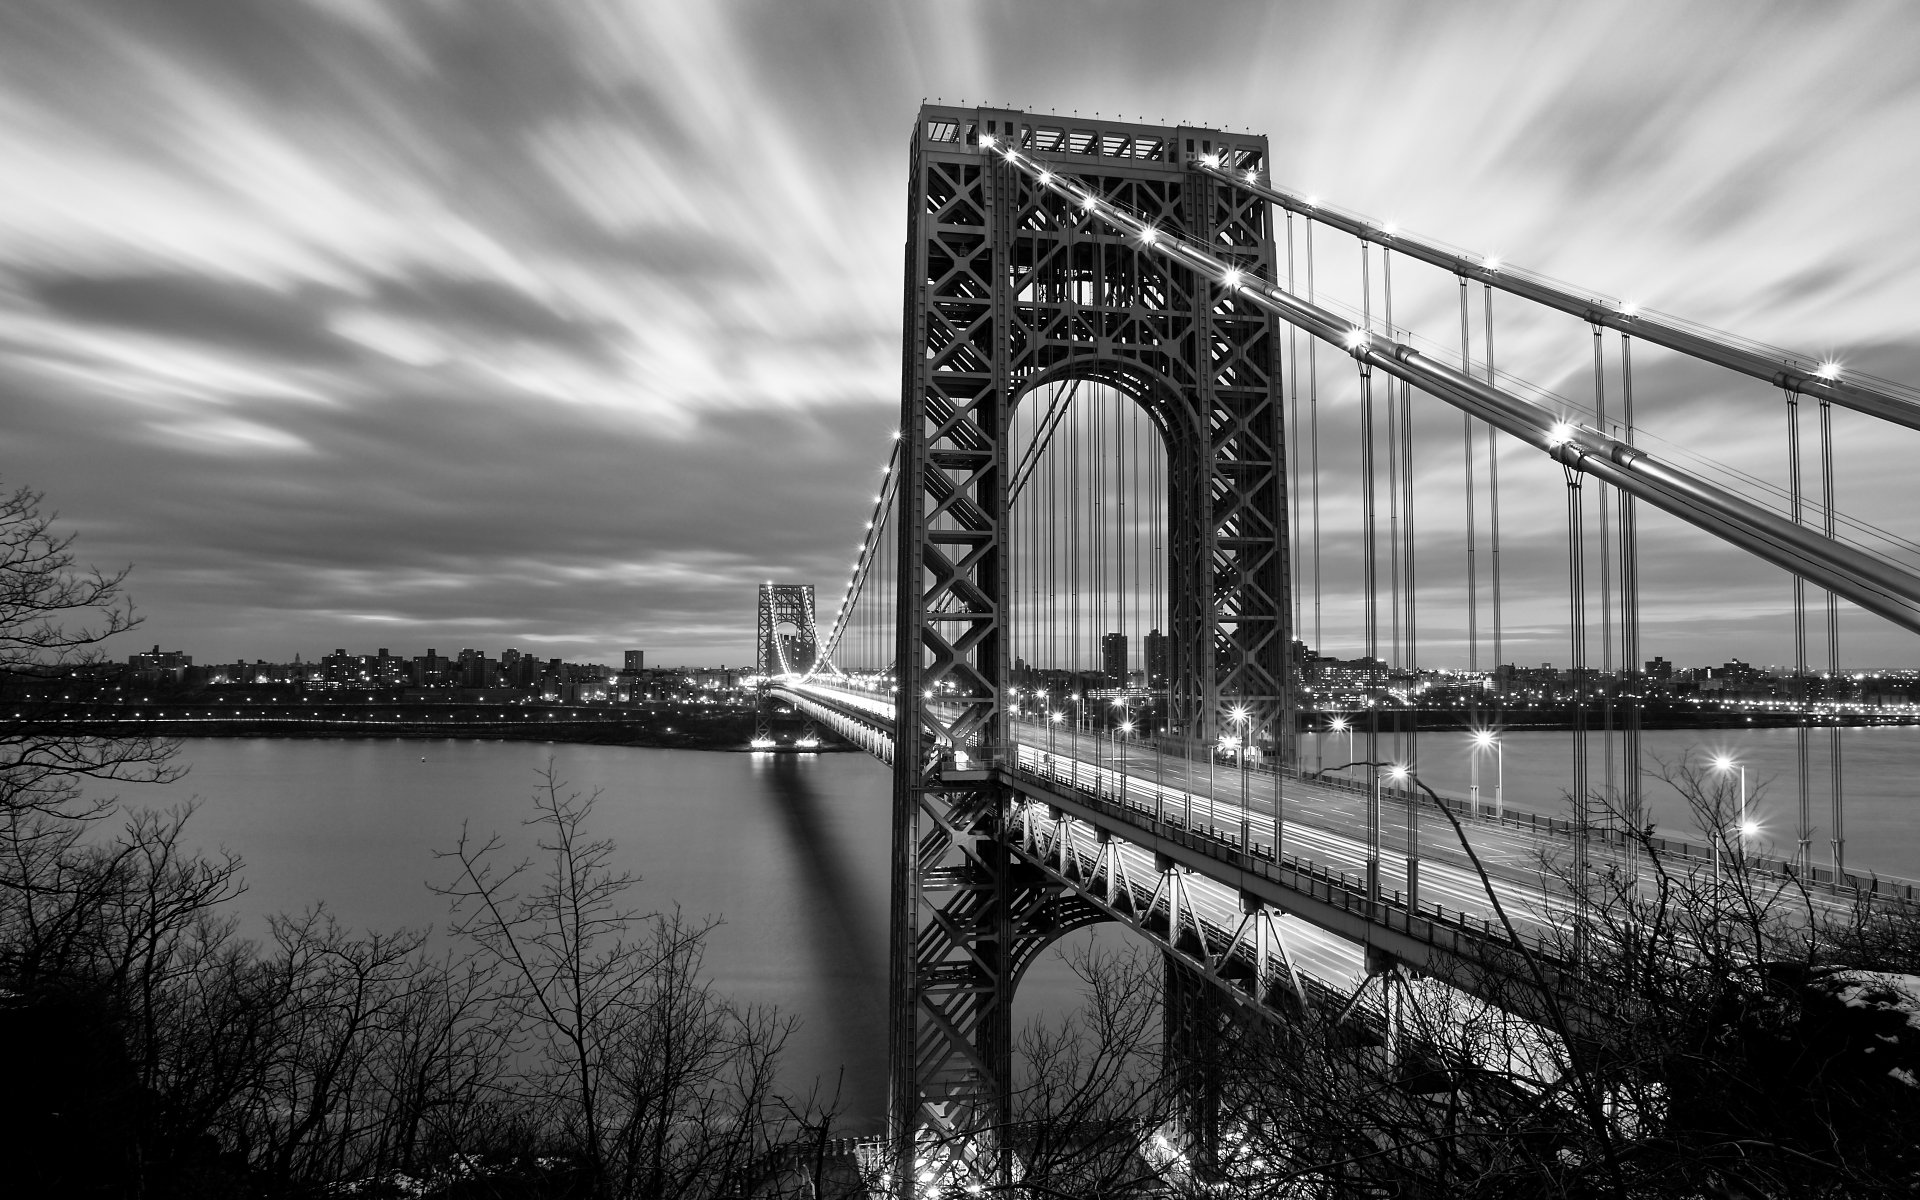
1324	823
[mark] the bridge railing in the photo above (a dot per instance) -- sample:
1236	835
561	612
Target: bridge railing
1865	884
1342	889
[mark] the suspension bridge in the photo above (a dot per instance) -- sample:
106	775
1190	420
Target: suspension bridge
1095	562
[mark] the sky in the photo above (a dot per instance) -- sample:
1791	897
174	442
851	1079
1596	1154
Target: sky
446	323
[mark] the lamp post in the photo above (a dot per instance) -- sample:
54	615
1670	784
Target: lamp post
1213	756
1243	718
1123	731
1483	738
1053	722
1742	826
1342	725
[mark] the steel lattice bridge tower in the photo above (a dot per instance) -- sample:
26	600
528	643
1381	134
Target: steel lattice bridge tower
786	640
1046	253
999	274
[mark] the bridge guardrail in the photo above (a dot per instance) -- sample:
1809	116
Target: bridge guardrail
1342	889
1867	884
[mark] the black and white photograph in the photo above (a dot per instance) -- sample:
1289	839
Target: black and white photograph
950	599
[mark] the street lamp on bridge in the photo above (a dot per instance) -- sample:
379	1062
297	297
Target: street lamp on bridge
1342	725
1742	826
1243	718
1482	739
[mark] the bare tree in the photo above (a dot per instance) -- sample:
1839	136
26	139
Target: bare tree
653	1083
54	613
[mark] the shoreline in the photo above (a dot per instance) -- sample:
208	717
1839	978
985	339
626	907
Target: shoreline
718	733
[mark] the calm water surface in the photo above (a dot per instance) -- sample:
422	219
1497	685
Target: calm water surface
790	852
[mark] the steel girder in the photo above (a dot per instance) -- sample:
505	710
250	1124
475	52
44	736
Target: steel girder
1007	288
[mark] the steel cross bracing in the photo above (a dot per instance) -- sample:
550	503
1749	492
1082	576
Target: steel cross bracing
1008	288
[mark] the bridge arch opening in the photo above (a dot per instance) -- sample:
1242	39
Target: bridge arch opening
1097	646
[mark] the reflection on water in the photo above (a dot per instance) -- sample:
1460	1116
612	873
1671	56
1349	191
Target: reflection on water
791	851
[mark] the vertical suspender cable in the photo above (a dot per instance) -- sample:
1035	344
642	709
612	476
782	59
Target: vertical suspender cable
1473	573
1630	604
1293	450
1493	492
1609	797
1833	650
1313	464
1804	825
1402	449
1473	569
1073	560
1120	539
1370	582
1396	654
1371	607
1577	623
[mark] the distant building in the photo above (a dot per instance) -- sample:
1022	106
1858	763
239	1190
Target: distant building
159	665
1113	657
636	661
1156	659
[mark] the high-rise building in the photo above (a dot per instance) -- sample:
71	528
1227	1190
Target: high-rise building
1113	657
636	661
1156	659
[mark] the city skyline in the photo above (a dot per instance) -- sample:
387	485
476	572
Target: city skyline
360	322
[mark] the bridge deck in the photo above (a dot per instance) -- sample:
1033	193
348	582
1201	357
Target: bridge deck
1165	802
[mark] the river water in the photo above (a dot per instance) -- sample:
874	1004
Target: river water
790	852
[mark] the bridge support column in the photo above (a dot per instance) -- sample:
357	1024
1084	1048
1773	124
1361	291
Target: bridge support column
1196	1021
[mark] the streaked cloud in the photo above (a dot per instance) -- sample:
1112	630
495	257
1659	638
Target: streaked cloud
565	324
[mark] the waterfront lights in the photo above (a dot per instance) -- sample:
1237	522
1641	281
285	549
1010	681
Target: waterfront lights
1339	724
1483	738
